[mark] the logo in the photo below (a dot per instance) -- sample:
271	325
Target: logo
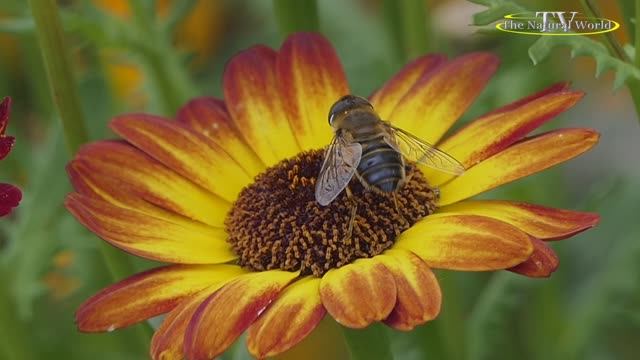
555	23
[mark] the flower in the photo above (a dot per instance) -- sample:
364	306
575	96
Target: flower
10	195
225	193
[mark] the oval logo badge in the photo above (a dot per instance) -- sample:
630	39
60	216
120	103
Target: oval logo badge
555	23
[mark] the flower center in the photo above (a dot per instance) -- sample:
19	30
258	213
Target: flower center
276	222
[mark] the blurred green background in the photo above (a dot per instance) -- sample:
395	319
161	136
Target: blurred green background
125	62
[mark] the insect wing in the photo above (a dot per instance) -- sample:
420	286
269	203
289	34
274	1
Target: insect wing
420	151
340	163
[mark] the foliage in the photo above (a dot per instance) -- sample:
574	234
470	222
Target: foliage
578	45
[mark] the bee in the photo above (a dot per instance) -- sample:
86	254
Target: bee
373	150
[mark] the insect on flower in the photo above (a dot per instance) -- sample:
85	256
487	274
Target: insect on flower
373	150
228	195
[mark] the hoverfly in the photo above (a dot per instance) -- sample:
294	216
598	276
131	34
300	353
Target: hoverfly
373	150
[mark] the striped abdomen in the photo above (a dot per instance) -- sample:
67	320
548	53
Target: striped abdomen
380	166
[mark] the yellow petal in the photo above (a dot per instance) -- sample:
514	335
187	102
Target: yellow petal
126	177
251	93
520	160
494	132
419	296
179	241
437	100
359	293
148	294
466	242
209	117
224	315
539	221
385	99
288	320
184	151
311	79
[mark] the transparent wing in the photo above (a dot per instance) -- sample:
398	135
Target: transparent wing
340	163
420	151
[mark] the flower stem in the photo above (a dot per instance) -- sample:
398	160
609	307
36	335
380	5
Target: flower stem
634	84
161	59
296	15
14	342
67	101
636	38
406	22
369	343
56	59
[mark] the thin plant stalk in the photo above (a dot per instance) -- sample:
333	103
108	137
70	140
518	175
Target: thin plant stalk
67	102
161	60
634	85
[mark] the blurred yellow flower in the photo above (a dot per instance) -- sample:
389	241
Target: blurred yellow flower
199	33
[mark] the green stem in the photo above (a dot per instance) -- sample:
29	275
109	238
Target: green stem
56	59
406	22
296	15
611	42
414	27
369	343
634	85
636	38
161	59
67	101
14	342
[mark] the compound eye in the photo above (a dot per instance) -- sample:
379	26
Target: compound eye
336	109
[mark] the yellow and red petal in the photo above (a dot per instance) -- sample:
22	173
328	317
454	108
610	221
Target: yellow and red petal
10	197
438	99
149	294
419	296
124	176
359	293
209	116
385	99
499	129
250	86
311	79
542	222
288	320
168	340
179	240
184	151
542	262
522	159
466	242
228	312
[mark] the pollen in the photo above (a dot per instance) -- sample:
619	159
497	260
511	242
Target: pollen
276	222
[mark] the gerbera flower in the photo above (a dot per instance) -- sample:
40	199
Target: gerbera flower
10	195
226	193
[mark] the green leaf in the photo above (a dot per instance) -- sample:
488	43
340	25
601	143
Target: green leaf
497	9
581	45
